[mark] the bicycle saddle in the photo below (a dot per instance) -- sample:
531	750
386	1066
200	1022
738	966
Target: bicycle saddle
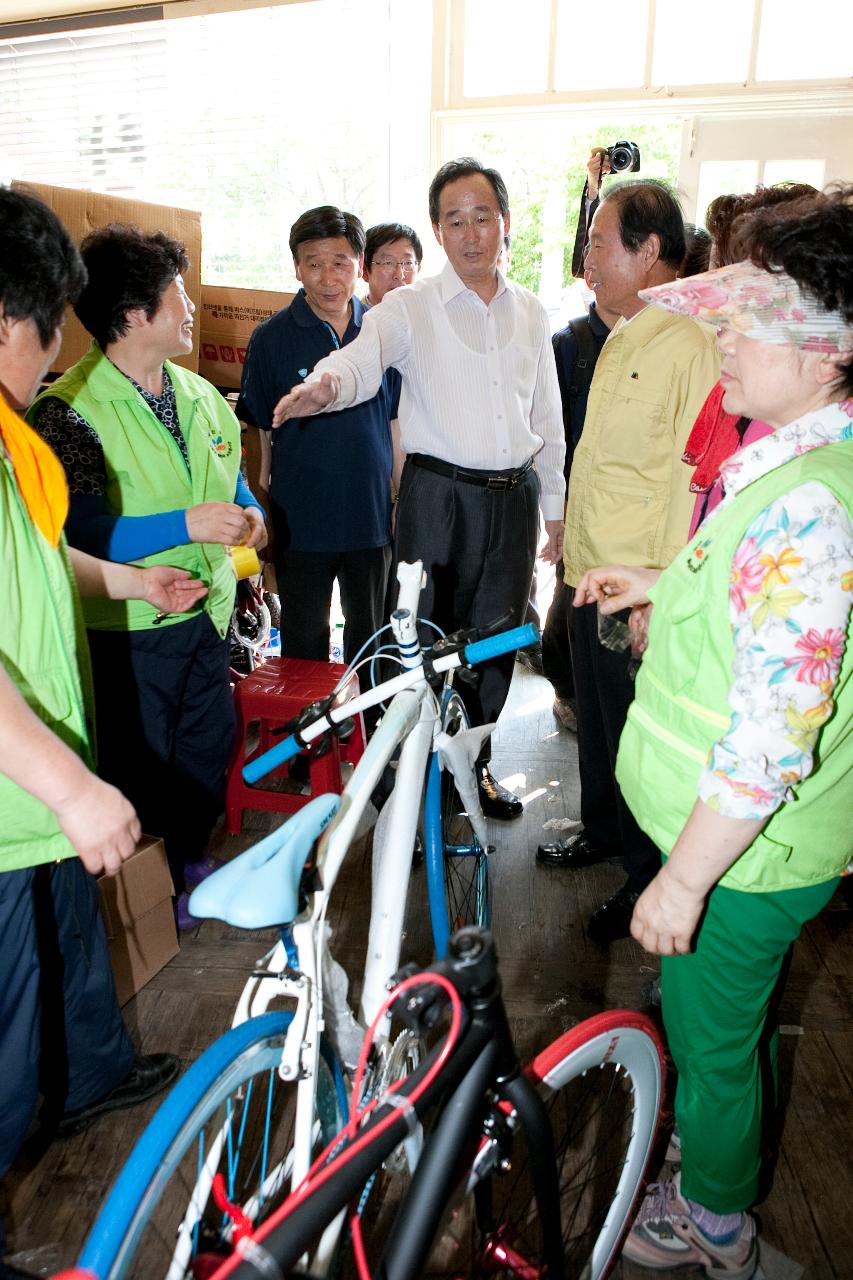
260	888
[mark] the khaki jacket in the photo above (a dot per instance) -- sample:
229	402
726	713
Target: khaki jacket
629	500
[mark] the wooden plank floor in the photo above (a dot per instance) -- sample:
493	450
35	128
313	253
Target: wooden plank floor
553	976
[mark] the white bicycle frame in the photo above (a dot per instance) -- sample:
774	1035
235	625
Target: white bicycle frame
410	720
410	723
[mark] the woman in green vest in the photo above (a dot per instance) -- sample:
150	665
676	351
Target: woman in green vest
61	1031
737	756
152	456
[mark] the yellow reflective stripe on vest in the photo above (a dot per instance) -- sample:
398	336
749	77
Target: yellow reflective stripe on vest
636	712
696	709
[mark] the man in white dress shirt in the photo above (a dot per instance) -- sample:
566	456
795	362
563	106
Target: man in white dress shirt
481	426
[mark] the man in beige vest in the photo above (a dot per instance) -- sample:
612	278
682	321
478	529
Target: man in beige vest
628	503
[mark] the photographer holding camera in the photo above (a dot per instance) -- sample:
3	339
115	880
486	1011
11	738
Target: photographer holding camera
629	500
622	157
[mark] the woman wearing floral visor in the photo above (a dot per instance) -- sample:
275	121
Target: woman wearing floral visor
737	756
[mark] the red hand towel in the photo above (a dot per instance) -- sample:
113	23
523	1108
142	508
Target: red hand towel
714	438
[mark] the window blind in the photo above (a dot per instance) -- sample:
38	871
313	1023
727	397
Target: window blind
251	116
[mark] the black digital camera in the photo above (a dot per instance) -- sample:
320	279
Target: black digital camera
624	157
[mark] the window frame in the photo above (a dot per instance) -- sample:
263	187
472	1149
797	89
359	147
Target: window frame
449	72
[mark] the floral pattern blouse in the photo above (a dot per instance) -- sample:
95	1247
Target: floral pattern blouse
789	604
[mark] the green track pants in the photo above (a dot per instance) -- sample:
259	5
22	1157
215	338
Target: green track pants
715	1008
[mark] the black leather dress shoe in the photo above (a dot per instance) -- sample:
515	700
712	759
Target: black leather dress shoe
577	851
148	1076
612	920
497	802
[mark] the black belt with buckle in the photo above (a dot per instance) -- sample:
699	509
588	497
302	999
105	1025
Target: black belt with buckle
485	479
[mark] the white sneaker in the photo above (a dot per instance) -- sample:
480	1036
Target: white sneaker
665	1236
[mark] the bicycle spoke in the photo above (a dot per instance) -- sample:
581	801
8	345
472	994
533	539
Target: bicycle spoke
232	1116
603	1116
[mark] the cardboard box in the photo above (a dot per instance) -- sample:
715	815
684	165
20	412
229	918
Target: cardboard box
136	906
84	211
228	317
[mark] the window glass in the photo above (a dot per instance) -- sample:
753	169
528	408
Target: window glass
506	47
612	55
723	177
250	116
543	162
797	43
811	171
702	46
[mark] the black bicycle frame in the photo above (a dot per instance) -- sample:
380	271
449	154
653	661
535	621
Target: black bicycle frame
482	1067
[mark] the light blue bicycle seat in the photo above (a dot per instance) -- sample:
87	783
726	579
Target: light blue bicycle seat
260	888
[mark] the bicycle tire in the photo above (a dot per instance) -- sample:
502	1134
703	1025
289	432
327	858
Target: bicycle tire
457	866
604	1124
136	1231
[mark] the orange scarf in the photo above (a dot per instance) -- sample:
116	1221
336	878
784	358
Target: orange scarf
38	471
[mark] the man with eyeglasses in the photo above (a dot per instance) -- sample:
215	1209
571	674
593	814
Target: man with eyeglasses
392	257
481	426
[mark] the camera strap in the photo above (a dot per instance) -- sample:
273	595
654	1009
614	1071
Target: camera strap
585	216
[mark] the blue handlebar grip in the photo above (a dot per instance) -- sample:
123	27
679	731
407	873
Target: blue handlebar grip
276	755
504	642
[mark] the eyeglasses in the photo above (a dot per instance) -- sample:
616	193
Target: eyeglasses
408	266
481	222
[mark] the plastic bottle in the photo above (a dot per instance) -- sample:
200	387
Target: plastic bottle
336	643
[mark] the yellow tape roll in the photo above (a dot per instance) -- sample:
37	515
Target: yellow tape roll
244	561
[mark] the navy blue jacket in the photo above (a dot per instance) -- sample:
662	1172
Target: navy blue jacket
574	388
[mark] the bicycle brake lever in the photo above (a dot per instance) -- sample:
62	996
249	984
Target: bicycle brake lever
315	711
456	640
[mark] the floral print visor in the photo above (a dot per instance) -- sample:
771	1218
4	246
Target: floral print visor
764	305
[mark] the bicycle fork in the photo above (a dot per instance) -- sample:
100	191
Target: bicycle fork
498	1254
494	1069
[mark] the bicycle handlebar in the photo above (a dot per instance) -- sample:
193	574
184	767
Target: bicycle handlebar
479	651
494	646
279	754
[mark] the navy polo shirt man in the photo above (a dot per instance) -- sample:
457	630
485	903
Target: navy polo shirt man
326	479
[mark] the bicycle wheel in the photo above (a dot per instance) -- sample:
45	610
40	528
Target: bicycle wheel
231	1114
457	865
602	1083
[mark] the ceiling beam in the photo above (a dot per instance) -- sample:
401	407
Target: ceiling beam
37	17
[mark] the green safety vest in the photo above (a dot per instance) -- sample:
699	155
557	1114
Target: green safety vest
147	474
44	652
680	709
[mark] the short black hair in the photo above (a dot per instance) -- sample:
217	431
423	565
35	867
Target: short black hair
811	240
462	168
387	233
40	266
128	269
649	207
698	252
326	222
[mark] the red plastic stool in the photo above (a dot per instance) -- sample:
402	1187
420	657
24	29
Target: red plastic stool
271	696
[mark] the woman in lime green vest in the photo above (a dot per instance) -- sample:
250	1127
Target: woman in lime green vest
61	1031
737	756
152	456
